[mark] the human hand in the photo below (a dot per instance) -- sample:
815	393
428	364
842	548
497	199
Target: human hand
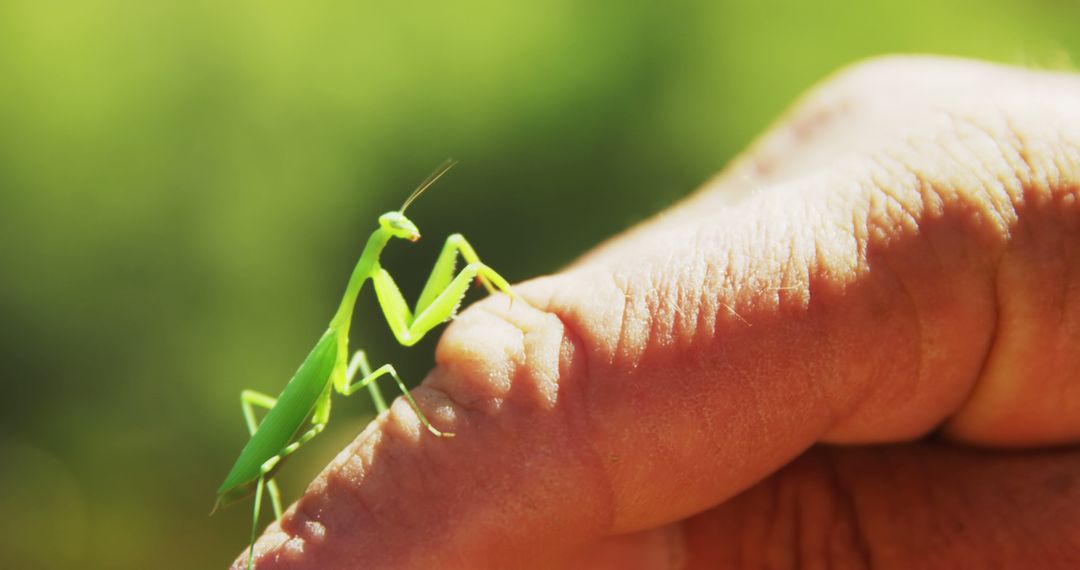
898	258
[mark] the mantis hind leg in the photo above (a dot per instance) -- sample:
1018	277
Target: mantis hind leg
252	398
248	400
267	467
255	522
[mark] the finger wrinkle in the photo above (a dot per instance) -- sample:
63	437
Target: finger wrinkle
690	296
981	147
622	287
548	390
529	355
300	521
848	510
914	384
631	313
267	546
577	372
484	372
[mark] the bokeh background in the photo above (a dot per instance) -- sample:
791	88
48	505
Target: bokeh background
184	187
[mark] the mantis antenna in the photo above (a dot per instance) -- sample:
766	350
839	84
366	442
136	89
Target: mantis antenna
431	179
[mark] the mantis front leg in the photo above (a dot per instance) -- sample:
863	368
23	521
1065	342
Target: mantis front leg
441	295
443	271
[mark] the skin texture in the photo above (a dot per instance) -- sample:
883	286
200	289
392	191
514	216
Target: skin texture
855	347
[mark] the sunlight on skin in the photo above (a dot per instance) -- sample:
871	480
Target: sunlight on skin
896	257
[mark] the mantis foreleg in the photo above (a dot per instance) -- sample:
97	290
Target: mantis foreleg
443	270
409	328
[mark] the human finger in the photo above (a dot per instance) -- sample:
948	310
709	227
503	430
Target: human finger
856	298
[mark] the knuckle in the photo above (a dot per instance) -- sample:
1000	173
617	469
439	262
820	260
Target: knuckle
495	353
522	448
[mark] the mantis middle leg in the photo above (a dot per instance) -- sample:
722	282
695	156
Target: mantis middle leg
359	361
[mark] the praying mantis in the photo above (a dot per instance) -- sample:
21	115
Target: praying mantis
328	368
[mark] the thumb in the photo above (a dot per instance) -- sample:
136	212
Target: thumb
850	296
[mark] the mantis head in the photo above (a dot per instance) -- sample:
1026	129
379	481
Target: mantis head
399	226
396	223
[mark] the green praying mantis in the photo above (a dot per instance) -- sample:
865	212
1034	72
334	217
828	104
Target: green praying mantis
328	368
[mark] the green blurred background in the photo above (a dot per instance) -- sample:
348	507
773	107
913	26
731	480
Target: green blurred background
184	187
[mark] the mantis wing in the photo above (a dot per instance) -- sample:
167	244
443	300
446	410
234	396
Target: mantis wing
284	420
